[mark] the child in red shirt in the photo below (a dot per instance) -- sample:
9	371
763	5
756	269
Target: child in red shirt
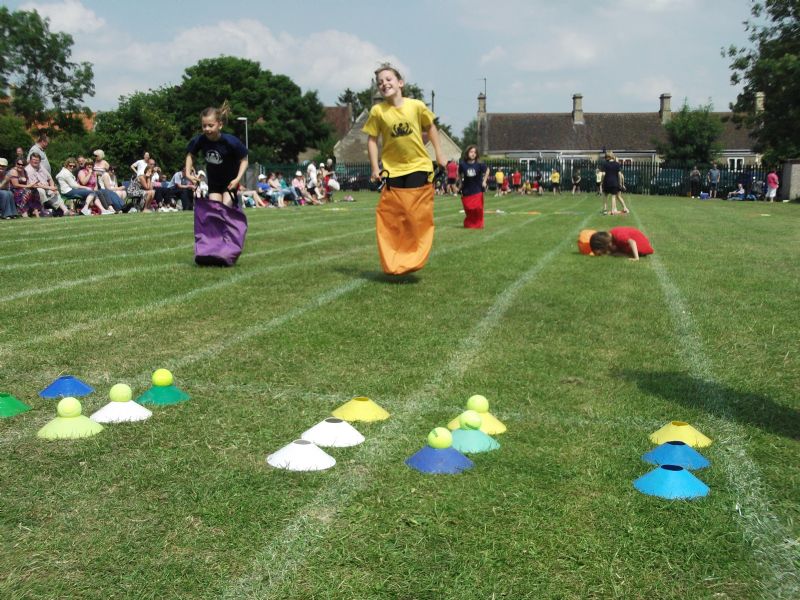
621	240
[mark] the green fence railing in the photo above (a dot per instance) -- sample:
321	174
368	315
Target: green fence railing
642	177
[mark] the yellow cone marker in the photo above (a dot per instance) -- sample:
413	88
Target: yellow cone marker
360	408
679	431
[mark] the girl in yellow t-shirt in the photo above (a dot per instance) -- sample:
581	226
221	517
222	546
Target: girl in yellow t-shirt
405	211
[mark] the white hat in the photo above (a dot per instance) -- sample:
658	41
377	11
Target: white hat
298	174
99	154
201	173
262	176
321	164
3	162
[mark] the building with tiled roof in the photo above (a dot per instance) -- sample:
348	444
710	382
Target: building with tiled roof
579	135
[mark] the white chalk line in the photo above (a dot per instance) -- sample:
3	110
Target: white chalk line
287	551
773	546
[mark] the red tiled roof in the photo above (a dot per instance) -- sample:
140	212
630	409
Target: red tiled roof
340	118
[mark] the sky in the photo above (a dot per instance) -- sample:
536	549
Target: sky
531	55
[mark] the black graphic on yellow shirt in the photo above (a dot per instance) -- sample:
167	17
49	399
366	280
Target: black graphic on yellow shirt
401	130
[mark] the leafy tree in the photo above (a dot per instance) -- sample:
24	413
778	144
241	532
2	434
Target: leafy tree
282	121
13	135
35	69
470	134
362	100
692	136
141	122
772	66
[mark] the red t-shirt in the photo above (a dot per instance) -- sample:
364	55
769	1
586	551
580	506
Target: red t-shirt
452	170
516	178
621	235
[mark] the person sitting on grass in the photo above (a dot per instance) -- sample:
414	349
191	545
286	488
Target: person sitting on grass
627	241
739	193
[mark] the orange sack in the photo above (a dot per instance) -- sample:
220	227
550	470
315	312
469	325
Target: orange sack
404	224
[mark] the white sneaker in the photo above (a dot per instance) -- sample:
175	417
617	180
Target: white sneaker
86	211
133	210
107	211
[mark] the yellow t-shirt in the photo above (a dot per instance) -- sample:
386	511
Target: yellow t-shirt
499	177
555	177
400	129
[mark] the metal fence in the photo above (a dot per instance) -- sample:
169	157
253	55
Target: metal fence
644	177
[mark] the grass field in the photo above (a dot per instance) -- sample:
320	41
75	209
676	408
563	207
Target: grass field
581	357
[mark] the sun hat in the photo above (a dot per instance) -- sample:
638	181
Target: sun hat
201	173
3	162
298	174
99	154
262	176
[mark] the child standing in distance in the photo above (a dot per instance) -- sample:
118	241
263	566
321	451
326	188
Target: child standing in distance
612	184
473	176
225	155
576	182
404	216
620	240
220	225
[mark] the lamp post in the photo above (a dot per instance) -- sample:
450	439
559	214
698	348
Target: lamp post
246	138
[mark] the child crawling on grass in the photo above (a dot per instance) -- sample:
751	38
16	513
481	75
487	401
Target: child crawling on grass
627	241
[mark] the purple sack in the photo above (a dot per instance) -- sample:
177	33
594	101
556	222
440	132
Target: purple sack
219	233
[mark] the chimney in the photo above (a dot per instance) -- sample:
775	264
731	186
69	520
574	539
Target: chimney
759	102
483	137
577	109
665	112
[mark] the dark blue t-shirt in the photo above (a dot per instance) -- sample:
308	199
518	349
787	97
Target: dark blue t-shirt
471	177
222	157
611	169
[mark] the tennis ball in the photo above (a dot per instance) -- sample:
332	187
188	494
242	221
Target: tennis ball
120	393
470	419
478	403
162	377
69	407
440	438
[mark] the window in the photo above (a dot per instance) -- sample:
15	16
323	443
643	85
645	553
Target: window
735	164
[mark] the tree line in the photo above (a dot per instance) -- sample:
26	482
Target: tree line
41	86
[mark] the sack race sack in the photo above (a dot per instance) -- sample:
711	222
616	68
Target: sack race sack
473	210
404	227
219	233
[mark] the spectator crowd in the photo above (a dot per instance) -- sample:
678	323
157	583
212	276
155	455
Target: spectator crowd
92	186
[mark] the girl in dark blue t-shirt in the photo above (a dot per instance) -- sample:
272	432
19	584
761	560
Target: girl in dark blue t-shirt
225	155
473	176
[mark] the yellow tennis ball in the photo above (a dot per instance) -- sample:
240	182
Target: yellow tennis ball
120	393
478	403
162	377
470	419
69	407
440	438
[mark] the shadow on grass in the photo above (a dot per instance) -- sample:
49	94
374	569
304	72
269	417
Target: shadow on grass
722	401
378	276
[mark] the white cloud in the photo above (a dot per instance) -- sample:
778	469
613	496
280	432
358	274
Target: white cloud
69	16
567	51
496	53
648	89
655	6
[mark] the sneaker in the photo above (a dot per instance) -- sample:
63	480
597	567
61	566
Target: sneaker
133	210
86	210
107	211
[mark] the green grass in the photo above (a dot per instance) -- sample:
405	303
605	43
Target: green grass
581	357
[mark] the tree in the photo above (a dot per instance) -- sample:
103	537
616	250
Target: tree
35	70
142	122
692	136
282	121
470	134
772	66
13	135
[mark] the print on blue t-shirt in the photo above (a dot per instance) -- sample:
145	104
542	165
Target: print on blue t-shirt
472	177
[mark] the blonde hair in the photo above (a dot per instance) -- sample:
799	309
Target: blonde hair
387	67
221	114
